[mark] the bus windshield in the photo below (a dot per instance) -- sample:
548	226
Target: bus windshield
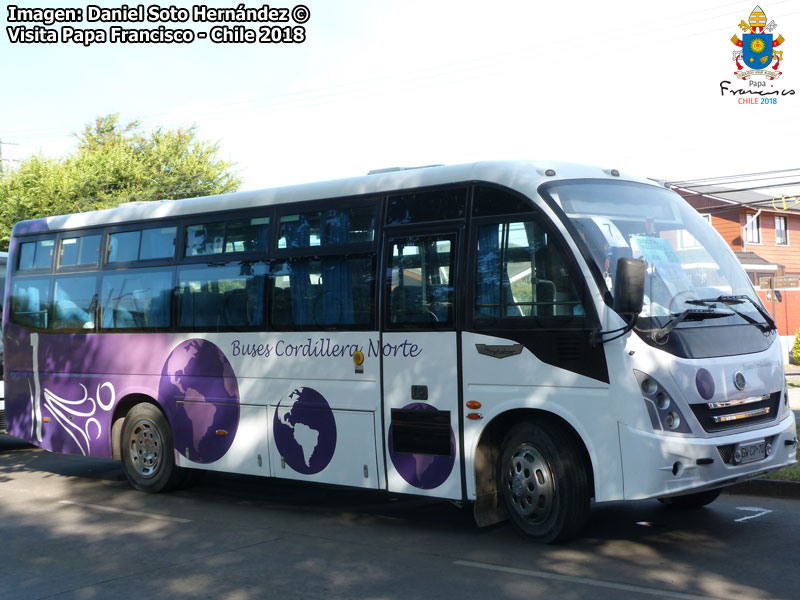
687	260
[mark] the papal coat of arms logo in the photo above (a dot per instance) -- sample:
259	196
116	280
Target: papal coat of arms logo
758	47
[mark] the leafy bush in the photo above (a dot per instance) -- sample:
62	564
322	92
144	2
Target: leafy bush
796	348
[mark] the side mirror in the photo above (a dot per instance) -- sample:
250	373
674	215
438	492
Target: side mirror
629	286
778	295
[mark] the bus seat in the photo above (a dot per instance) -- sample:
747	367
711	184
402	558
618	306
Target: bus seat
281	307
235	308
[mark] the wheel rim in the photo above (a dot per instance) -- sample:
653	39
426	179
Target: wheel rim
145	448
528	484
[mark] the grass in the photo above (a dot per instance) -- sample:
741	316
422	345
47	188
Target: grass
790	473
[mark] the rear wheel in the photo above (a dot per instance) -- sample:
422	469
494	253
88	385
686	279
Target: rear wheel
544	482
692	500
148	458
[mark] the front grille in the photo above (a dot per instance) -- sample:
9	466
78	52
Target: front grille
721	416
726	451
2	421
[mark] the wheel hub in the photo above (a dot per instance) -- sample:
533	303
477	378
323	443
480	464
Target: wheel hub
529	482
145	445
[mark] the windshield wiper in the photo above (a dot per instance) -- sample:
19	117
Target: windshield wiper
690	314
741	299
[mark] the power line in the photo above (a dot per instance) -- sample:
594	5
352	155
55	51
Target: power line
686	182
743	189
388	83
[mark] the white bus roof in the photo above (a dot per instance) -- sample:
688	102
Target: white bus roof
524	176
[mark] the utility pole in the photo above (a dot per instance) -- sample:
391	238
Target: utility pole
2	143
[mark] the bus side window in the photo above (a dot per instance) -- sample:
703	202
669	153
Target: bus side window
328	291
136	299
420	288
221	297
79	251
75	302
144	244
36	255
521	273
30	302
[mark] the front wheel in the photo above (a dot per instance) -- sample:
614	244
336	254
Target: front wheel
147	455
688	501
544	482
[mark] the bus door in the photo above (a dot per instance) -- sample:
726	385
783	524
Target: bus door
420	364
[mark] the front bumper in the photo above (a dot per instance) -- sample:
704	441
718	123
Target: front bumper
656	465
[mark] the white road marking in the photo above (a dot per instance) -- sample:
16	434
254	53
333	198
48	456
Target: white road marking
583	580
761	512
133	513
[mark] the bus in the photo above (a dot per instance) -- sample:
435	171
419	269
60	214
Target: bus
522	338
3	262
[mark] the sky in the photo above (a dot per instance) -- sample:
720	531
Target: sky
629	85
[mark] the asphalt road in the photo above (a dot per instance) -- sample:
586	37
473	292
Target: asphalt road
70	527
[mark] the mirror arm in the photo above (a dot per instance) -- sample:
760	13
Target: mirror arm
598	339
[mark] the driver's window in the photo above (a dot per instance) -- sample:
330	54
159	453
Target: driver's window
521	274
419	282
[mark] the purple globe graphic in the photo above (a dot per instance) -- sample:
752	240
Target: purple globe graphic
199	393
423	471
305	430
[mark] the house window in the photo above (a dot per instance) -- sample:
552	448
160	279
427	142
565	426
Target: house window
753	229
781	235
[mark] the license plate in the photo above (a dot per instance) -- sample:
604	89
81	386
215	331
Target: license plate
752	452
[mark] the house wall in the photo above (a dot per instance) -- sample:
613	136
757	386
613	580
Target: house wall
789	256
786	314
729	224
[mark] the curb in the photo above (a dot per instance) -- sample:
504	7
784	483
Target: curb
766	487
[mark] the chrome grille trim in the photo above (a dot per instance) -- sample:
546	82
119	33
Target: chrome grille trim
737	402
743	415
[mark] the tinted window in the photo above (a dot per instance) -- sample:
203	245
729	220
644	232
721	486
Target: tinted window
218	297
136	299
521	273
247	235
204	240
75	302
158	243
242	235
489	201
147	244
420	286
30	302
27	253
419	207
327	228
124	247
36	255
79	251
327	291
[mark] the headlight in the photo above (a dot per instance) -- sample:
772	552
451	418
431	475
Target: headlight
664	414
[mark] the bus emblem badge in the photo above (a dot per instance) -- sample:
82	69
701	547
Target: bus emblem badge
499	351
739	381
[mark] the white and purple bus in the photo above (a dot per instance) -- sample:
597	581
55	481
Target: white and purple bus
3	262
524	337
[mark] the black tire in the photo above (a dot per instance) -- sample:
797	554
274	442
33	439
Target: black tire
544	482
688	501
148	458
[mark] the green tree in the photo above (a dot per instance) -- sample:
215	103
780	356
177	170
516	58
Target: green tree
112	164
